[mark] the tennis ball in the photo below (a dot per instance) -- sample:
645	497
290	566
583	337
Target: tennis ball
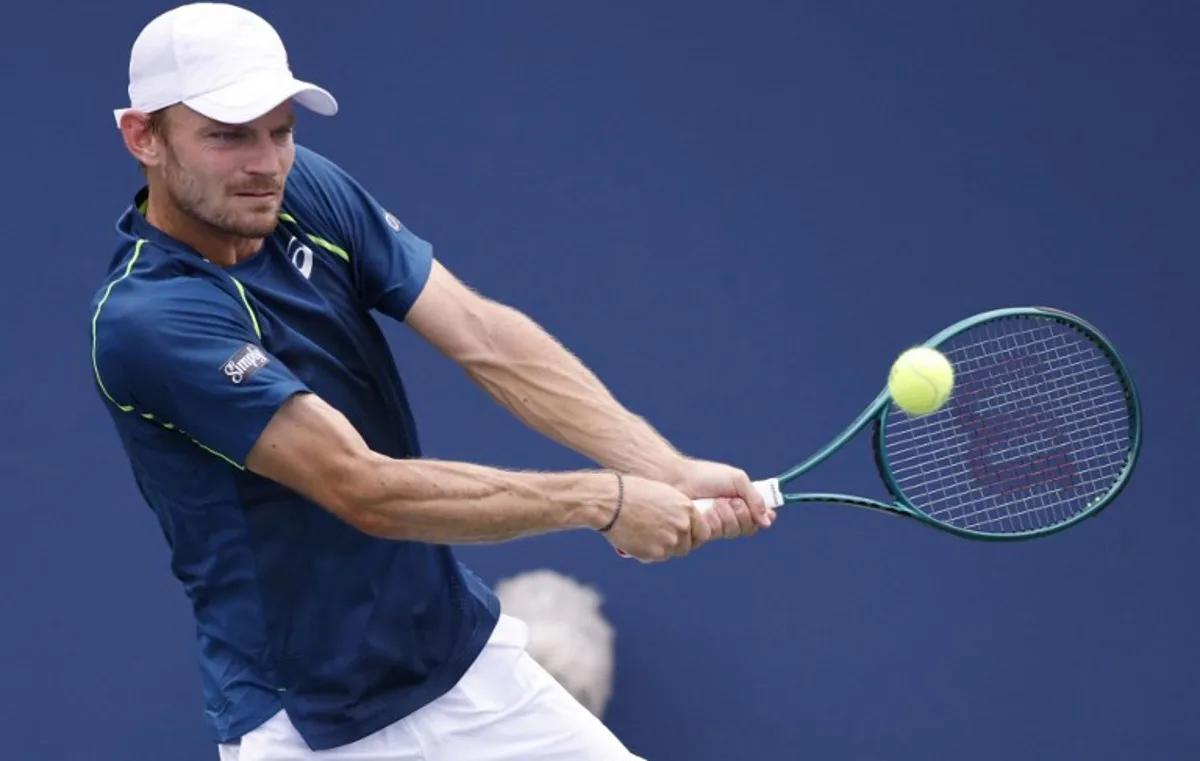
921	380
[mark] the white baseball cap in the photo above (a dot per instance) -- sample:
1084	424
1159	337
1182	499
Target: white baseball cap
220	60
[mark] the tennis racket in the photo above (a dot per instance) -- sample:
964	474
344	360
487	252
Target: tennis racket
1042	430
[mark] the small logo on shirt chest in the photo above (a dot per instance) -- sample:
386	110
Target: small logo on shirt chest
245	362
301	256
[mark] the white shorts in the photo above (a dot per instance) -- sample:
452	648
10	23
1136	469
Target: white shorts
505	708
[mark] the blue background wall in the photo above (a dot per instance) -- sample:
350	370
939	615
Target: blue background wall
831	180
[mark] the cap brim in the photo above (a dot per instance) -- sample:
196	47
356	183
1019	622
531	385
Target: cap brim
252	97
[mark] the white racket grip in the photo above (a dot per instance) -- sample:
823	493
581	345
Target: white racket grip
768	488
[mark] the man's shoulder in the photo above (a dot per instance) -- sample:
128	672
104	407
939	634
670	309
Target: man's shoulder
319	185
323	199
310	157
324	195
314	176
145	291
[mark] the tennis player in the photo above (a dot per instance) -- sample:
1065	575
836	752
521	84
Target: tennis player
267	426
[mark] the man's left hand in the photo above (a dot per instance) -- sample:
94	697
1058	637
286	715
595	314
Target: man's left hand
738	509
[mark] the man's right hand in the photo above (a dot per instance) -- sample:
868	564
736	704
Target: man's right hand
657	522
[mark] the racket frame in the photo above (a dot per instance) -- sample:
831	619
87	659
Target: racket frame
875	415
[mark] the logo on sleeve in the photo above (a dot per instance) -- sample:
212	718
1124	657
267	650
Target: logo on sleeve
245	362
392	221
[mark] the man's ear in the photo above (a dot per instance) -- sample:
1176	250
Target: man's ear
143	138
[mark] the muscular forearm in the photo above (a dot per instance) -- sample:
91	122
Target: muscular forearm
550	390
460	503
313	449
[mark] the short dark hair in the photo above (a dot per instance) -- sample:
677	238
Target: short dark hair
158	121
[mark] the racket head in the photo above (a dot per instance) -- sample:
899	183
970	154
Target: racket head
1041	431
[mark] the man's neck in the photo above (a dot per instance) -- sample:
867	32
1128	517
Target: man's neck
219	248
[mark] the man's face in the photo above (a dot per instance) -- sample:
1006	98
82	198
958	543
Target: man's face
228	177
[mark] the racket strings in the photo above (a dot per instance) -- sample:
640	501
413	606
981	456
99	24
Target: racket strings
1037	429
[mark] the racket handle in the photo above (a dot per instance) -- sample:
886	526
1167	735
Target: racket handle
768	489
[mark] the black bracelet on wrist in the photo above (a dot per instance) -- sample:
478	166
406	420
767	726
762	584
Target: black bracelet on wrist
620	502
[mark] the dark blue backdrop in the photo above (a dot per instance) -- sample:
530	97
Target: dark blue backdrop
727	210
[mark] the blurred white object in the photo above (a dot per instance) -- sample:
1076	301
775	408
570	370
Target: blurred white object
568	634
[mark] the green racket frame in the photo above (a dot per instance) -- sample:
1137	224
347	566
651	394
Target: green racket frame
875	415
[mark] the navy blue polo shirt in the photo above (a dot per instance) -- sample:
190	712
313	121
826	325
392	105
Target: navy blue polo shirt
295	609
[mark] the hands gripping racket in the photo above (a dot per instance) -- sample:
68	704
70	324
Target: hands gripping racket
1042	430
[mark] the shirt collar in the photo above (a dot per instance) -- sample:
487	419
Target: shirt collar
135	224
